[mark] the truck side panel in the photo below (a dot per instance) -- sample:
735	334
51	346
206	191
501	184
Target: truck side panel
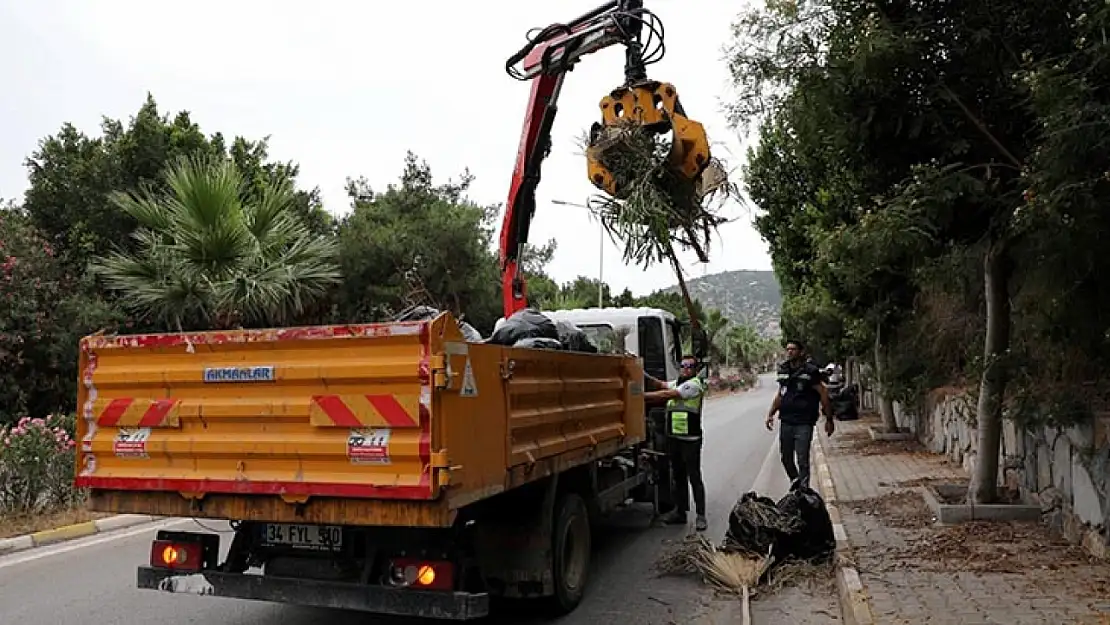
560	402
530	413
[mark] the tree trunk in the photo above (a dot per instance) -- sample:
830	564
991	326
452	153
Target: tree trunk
992	386
850	376
886	404
695	323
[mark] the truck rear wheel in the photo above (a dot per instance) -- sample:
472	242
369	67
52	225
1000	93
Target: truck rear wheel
570	552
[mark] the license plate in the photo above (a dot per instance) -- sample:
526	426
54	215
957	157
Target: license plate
325	537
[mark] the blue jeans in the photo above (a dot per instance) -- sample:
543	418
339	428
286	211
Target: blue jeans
795	441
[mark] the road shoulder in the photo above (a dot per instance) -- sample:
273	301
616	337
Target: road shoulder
72	532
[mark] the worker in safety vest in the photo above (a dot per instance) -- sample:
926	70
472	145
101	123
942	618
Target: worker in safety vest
685	398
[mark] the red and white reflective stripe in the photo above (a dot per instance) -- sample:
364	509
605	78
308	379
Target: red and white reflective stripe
425	372
87	412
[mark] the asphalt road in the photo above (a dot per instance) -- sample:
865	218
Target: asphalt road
92	580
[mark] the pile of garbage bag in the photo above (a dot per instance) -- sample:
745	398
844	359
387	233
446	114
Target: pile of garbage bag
797	527
424	313
531	328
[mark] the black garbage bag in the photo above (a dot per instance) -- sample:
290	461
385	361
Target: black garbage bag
845	405
573	338
539	342
417	313
756	525
525	324
424	313
814	539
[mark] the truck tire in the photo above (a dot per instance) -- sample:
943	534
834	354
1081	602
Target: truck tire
570	553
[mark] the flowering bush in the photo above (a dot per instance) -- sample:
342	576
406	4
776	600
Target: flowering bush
36	465
44	311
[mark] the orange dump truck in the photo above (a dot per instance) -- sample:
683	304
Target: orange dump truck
390	468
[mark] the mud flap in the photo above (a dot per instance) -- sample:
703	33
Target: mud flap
515	555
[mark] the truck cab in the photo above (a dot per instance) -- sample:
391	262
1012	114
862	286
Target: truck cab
653	334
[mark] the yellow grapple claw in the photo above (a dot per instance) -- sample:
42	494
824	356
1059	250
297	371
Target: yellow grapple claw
655	107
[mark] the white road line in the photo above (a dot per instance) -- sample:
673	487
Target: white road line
67	547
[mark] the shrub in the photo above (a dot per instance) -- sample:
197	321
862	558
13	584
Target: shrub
44	311
37	465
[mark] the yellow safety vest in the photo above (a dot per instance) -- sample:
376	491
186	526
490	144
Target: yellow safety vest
684	415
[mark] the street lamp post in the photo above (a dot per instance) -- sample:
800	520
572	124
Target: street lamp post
600	253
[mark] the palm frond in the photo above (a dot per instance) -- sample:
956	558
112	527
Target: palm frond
206	191
144	207
270	217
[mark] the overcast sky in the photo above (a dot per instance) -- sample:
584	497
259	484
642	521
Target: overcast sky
345	88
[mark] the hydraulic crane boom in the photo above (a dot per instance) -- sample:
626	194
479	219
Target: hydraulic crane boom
545	60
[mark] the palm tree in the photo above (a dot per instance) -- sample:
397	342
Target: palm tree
715	322
210	254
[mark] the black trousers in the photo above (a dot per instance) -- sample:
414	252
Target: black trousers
685	457
795	441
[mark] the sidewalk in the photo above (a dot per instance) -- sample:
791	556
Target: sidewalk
976	573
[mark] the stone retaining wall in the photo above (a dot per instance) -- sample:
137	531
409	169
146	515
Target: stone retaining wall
1065	470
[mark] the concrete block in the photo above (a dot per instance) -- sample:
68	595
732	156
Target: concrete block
18	543
946	513
878	435
1061	462
122	521
854	604
1085	500
1044	466
1011	439
61	534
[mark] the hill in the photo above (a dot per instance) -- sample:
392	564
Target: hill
749	297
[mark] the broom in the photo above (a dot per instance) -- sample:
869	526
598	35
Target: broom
732	571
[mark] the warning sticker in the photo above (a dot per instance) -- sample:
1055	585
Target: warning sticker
131	443
469	386
369	446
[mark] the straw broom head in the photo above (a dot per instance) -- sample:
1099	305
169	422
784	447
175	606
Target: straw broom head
733	572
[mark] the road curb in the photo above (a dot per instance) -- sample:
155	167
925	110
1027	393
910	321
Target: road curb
855	605
72	532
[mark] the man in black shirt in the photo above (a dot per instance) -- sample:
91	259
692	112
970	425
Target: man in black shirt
801	394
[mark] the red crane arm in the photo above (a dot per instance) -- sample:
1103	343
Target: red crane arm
545	60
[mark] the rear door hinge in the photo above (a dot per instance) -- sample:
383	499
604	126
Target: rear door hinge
441	371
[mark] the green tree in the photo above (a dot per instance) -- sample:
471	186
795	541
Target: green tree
72	177
212	252
419	243
903	133
624	299
715	324
673	303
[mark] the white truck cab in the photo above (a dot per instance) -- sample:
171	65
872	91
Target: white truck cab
653	334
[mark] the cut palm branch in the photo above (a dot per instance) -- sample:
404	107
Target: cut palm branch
656	208
683	557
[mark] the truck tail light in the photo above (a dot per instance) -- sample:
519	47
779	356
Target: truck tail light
177	555
422	574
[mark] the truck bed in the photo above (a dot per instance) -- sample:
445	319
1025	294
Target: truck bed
373	424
